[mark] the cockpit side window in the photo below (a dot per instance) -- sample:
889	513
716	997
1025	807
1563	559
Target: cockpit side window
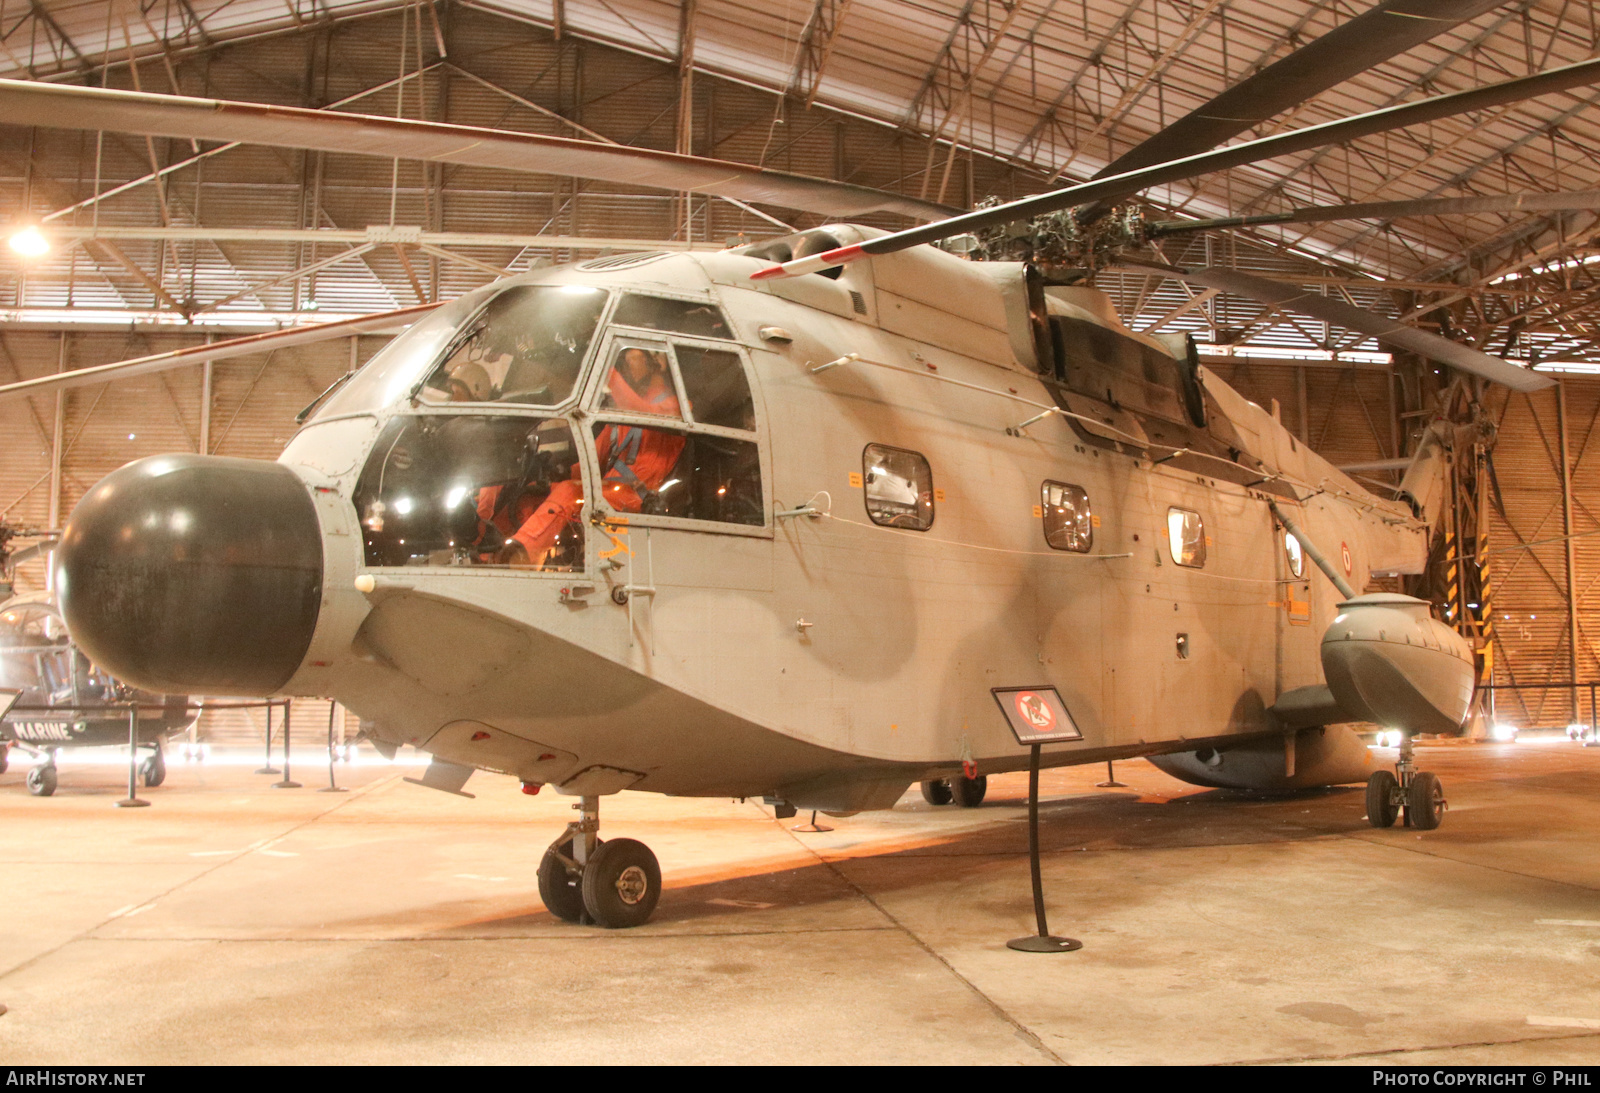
899	487
526	346
697	319
1186	537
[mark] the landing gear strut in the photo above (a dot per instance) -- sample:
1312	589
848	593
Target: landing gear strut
964	791
1416	793
586	880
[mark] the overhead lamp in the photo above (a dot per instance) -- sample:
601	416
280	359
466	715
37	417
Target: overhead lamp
30	242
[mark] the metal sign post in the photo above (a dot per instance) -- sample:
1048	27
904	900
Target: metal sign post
132	800
1037	716
333	785
267	767
288	782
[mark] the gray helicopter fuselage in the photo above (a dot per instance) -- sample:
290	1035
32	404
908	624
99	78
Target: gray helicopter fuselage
806	651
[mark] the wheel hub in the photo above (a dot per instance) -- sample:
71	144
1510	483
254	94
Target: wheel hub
632	885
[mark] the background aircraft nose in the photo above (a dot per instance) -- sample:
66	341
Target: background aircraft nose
194	574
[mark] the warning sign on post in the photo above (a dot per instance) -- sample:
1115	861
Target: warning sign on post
1036	715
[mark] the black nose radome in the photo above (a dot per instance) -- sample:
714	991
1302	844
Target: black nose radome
194	574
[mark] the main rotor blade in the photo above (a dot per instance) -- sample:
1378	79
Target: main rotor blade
1391	210
1119	186
1391	331
217	351
24	102
1384	31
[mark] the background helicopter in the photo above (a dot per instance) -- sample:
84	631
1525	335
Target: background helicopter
68	701
1033	316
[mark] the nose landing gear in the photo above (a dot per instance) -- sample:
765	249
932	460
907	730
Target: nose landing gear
1416	793
964	791
586	880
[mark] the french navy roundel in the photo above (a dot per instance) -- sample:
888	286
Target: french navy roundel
1035	710
1344	556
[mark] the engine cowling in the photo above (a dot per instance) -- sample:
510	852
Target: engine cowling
1387	660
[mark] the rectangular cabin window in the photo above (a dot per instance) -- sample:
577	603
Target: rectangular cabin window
899	487
639	381
1068	523
695	318
462	489
1186	537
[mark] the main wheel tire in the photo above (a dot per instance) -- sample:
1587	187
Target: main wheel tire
937	792
1382	811
42	780
153	771
561	891
1424	801
969	792
621	884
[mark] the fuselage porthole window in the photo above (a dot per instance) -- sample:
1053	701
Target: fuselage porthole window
1068	522
1186	537
1296	555
899	487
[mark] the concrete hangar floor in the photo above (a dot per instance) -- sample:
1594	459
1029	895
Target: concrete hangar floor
236	923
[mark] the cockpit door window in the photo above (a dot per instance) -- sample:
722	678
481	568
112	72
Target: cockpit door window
715	382
1186	537
640	381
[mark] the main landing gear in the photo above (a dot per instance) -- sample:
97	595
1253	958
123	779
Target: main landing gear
153	771
1415	793
42	778
584	879
961	790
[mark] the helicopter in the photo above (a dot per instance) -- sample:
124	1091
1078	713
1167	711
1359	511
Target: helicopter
809	519
67	701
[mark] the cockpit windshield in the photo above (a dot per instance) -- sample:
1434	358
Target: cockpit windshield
526	346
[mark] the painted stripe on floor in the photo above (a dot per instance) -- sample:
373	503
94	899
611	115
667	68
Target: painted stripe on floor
1566	922
1564	1022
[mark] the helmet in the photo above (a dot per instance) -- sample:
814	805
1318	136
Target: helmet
469	382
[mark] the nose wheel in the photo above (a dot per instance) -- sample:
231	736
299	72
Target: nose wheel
1415	794
586	880
961	790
